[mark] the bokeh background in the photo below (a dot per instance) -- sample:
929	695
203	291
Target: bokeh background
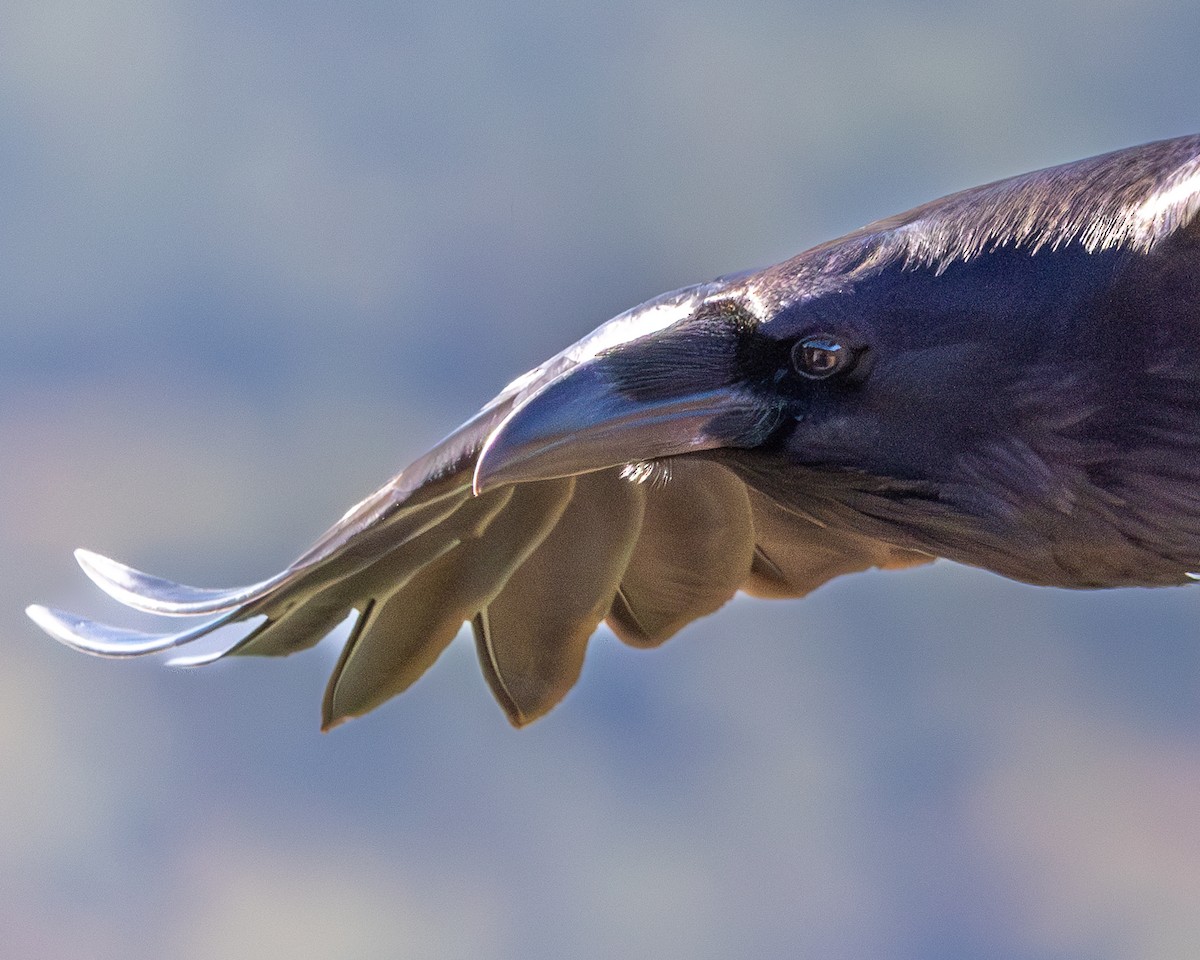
256	255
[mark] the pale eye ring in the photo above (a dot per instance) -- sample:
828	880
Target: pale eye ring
820	356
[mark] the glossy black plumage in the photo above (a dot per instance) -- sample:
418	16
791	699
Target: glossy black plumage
1007	377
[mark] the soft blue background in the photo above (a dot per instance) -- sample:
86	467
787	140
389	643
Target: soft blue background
256	255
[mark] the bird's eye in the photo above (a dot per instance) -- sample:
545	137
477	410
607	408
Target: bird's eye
820	356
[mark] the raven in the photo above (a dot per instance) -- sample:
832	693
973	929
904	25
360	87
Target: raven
1008	377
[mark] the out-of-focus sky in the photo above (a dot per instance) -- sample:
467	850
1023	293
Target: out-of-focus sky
254	256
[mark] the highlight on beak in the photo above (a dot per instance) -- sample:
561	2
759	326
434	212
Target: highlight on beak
598	415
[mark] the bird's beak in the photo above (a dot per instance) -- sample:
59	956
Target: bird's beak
634	404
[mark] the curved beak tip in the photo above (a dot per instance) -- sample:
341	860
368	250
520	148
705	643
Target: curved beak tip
499	462
480	479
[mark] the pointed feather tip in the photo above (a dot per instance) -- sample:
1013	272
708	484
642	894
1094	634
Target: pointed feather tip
89	559
109	575
330	723
119	581
98	639
105	571
52	622
58	624
42	617
116	579
150	594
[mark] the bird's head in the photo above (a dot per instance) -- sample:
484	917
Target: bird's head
895	374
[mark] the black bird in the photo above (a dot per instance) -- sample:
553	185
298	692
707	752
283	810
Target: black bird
1008	377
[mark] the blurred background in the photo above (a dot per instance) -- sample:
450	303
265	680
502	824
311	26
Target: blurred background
254	256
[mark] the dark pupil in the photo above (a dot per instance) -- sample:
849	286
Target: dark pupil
821	357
